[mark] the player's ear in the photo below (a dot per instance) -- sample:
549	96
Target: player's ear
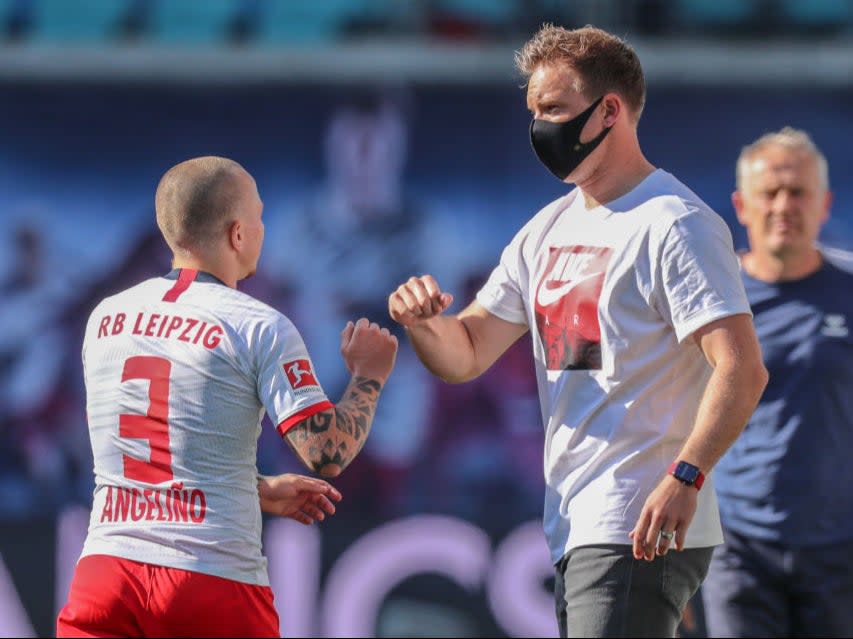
612	107
739	207
235	235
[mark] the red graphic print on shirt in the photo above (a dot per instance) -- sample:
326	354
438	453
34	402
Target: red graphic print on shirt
566	306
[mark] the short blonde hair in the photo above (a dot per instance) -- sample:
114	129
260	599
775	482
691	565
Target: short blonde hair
196	199
790	138
603	61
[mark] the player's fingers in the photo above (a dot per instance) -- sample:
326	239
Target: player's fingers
346	334
430	285
403	306
314	512
302	518
680	536
396	306
666	537
650	539
360	326
639	535
426	291
325	504
310	484
409	294
444	301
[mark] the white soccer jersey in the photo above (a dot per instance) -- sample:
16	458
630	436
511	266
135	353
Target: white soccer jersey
610	295
179	371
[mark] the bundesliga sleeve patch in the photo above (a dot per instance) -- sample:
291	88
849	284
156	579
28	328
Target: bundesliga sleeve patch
299	374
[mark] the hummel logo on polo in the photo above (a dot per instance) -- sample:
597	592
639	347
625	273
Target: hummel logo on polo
834	326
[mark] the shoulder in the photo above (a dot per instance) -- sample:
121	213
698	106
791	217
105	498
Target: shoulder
841	259
121	298
688	219
674	201
545	217
245	312
837	276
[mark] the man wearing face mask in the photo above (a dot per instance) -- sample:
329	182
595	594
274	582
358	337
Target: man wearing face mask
646	359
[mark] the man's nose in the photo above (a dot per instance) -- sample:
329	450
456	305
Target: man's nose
783	201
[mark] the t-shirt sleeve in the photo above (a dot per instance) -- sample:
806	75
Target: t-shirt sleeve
287	381
699	273
502	293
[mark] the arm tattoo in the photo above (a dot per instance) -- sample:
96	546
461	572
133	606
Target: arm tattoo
353	419
355	413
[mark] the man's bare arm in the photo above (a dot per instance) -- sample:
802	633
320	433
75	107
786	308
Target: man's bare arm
455	348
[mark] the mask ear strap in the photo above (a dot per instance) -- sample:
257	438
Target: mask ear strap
584	116
581	120
594	142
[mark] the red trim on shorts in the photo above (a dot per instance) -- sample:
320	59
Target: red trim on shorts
305	413
185	278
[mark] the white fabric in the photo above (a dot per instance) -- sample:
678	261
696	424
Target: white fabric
664	266
218	388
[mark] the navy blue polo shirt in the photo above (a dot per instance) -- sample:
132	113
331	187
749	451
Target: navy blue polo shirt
789	477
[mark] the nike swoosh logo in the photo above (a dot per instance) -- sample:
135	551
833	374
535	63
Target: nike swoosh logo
546	296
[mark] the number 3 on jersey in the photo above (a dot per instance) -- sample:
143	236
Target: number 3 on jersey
154	425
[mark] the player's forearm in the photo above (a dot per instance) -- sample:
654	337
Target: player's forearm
354	415
729	400
329	440
444	346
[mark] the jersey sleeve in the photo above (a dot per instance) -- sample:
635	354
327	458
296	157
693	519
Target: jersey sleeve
502	293
699	273
287	381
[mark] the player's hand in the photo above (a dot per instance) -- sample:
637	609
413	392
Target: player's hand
305	499
417	300
669	508
368	349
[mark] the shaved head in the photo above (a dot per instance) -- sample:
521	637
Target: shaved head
197	200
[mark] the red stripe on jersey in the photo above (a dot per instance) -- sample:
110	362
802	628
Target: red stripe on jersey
305	413
185	278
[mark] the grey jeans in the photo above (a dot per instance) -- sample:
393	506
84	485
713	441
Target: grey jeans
602	591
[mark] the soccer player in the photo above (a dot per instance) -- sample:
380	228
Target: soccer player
179	370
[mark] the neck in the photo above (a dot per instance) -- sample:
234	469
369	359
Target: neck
615	176
775	268
194	263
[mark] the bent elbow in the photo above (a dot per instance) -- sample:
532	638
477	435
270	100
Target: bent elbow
762	378
328	471
458	376
456	379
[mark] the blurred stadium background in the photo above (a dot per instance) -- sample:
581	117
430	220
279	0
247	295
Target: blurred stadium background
387	137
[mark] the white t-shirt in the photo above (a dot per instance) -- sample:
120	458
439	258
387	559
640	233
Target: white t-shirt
178	375
611	296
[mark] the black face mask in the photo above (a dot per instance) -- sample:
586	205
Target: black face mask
558	144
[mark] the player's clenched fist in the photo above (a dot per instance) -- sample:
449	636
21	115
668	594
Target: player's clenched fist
368	350
416	300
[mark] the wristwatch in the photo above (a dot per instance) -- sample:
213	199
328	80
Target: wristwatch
687	474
